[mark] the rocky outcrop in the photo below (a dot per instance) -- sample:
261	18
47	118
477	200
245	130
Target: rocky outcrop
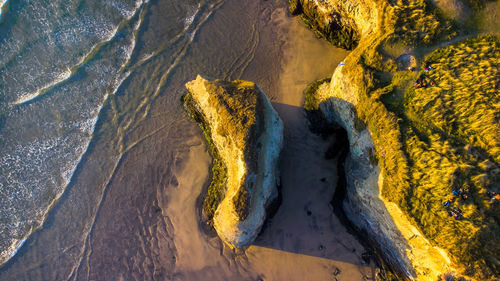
403	245
343	23
246	135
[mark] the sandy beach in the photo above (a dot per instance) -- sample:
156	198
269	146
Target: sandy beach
137	217
304	240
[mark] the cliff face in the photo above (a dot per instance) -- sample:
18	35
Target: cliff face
403	245
343	23
341	101
247	136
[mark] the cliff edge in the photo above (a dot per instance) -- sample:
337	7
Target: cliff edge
245	135
423	159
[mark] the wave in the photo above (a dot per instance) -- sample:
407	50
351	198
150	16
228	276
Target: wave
188	21
2	4
62	77
79	90
30	97
35	173
55	38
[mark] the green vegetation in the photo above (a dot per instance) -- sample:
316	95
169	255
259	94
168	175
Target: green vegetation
433	140
217	187
464	103
449	135
311	100
417	23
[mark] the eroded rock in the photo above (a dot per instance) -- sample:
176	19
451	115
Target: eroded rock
406	62
246	137
342	23
403	245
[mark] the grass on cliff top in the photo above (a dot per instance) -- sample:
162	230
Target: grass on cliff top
419	23
448	138
311	100
431	141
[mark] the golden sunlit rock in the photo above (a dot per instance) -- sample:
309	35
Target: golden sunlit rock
246	136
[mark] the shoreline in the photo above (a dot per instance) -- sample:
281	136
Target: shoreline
137	220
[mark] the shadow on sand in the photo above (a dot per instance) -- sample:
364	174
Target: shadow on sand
311	220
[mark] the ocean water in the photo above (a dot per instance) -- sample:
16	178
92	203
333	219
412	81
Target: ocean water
94	143
62	64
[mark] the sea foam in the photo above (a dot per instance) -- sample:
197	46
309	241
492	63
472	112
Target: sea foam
31	96
44	140
2	4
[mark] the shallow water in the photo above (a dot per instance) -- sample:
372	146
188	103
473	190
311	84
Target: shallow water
92	129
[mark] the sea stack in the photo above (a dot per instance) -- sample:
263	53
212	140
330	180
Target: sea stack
245	136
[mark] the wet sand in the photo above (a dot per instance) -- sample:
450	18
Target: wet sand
144	223
304	240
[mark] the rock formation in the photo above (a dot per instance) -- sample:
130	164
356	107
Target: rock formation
342	23
386	197
404	247
246	136
363	26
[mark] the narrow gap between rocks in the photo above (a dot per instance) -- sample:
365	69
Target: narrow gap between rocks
339	148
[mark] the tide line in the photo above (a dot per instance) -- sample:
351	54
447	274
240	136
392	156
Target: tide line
64	76
30	97
145	104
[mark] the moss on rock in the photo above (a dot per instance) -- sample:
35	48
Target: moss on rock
331	25
245	135
217	187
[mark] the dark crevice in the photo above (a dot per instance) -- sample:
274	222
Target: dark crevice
339	148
